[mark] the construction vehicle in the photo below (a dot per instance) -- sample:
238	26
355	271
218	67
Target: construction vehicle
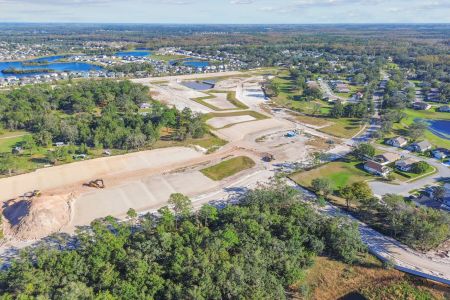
268	157
97	183
31	195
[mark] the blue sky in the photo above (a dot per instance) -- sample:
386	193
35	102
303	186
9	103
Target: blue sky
226	11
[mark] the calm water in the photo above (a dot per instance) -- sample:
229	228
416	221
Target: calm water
59	67
196	64
440	128
190	62
138	53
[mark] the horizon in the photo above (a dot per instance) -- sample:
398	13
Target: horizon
245	12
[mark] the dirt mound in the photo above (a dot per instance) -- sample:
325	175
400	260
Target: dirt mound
29	219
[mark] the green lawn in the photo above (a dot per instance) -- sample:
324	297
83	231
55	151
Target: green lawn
288	97
412	115
167	57
228	168
340	174
343	127
8	140
408	176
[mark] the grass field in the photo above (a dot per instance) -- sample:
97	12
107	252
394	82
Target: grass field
343	127
228	167
8	140
288	97
331	279
340	173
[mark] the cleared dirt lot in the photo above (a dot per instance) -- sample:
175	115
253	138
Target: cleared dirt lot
146	194
79	172
175	94
220	101
220	122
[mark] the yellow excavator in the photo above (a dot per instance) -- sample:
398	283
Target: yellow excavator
97	183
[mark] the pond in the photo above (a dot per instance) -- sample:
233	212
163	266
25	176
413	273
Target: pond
190	62
141	52
198	86
49	63
441	128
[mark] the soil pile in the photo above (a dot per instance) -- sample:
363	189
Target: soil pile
30	219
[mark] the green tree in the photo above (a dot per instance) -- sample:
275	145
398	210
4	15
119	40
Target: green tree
420	167
337	111
321	186
356	192
364	150
182	205
7	163
416	130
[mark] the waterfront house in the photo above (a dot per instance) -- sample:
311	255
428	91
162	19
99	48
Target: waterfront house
376	168
421	106
421	146
440	153
397	142
444	108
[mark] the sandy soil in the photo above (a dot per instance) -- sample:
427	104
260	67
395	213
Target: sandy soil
239	131
79	172
146	194
175	94
220	101
220	122
29	219
186	77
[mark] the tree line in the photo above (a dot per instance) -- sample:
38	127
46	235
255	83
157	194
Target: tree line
102	113
253	250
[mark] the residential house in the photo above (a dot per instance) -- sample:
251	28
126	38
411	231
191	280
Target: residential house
144	105
398	142
387	158
421	105
405	165
376	168
440	153
421	146
444	108
342	88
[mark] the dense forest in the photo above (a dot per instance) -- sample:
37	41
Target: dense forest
253	250
101	113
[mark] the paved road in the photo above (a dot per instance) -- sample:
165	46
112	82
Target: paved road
382	188
402	256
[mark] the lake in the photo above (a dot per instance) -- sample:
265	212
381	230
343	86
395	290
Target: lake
441	128
137	53
52	64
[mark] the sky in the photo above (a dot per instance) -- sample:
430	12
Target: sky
226	11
